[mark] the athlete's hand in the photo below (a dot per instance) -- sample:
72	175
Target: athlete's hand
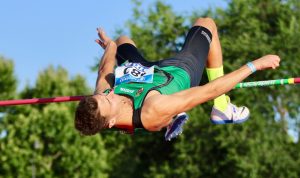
266	62
103	40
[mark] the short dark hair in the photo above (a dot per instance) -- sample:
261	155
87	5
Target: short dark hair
88	119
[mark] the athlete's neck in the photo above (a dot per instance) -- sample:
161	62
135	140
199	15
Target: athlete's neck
125	115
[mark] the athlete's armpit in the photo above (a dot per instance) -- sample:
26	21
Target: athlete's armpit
158	111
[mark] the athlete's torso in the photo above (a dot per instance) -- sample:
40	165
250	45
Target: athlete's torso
166	81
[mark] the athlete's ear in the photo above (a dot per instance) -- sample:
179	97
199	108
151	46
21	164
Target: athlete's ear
111	123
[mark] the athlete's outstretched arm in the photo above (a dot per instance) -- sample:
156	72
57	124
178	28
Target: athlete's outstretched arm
105	79
167	106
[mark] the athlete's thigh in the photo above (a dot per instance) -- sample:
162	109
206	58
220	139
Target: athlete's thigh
127	51
193	55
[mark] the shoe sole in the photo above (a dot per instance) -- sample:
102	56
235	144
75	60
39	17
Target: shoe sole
219	122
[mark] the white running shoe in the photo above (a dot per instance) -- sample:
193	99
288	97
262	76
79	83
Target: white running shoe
232	114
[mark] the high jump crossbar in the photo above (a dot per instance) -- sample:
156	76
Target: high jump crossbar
288	81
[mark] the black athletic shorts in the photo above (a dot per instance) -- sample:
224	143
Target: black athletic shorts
192	57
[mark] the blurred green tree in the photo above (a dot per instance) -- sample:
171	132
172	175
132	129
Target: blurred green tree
261	147
41	141
8	82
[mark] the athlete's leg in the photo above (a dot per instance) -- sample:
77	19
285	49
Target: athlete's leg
123	40
127	50
214	59
223	111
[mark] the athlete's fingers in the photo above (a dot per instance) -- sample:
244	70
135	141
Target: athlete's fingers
100	43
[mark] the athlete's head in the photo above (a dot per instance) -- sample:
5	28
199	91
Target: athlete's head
93	114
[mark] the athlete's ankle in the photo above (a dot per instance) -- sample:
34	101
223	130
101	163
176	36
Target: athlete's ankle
221	102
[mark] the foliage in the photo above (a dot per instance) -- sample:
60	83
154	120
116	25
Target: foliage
157	33
248	32
8	82
41	140
259	148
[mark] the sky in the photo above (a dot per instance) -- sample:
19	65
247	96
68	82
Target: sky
36	34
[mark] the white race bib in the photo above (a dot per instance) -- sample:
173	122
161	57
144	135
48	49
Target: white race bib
133	72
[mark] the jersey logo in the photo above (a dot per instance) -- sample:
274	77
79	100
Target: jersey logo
133	72
126	90
139	92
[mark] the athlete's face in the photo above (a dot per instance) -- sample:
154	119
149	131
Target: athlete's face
108	105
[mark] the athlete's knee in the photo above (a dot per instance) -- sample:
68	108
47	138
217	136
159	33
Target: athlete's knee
124	39
208	23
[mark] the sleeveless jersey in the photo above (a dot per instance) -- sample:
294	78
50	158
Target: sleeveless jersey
166	80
